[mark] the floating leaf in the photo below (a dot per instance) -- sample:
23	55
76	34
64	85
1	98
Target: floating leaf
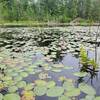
1	96
97	98
6	78
12	89
66	67
55	91
40	83
80	74
40	90
56	70
12	97
87	89
68	86
23	74
29	86
30	70
63	97
51	84
73	92
89	97
28	95
21	84
9	83
58	65
18	78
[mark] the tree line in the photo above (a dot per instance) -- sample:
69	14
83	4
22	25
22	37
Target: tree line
49	10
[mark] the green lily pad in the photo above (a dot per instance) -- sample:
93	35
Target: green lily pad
51	84
63	97
9	83
66	67
87	89
12	89
89	97
73	92
97	98
29	86
68	86
1	96
18	78
40	83
6	78
80	74
55	91
33	66
23	74
40	90
14	74
30	70
21	84
56	70
58	65
11	97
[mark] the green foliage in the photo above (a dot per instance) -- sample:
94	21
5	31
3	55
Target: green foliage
83	57
92	63
12	97
85	61
55	91
87	89
49	10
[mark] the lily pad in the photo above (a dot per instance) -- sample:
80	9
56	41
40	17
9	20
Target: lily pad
40	90
97	98
63	97
58	65
12	97
29	86
21	84
18	78
66	67
23	74
12	89
87	89
1	96
90	97
68	86
55	91
51	84
73	92
6	78
56	70
80	74
40	83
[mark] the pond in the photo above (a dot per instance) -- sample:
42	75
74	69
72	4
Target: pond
45	63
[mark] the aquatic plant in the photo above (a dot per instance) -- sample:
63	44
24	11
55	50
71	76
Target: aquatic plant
88	65
28	95
12	96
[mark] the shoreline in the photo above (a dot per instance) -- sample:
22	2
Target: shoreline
46	24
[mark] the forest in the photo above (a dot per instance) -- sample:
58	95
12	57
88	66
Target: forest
49	10
49	49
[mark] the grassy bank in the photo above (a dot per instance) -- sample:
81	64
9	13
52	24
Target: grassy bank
44	24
